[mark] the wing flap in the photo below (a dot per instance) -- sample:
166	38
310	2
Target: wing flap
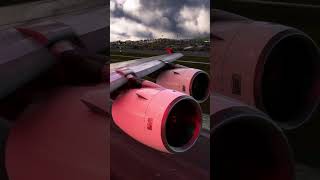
96	100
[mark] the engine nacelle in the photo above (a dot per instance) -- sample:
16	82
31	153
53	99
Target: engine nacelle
273	67
163	119
193	82
245	144
4	131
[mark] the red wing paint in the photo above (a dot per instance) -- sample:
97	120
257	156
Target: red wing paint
169	50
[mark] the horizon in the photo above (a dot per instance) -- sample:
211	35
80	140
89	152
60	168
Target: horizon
184	39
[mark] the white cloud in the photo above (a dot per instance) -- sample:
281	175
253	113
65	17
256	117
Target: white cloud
120	26
194	21
112	5
125	29
131	6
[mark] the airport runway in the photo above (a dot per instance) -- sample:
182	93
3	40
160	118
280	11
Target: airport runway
137	57
133	161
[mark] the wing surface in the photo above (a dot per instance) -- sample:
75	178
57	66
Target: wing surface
139	67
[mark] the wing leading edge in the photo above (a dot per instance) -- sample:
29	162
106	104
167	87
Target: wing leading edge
139	68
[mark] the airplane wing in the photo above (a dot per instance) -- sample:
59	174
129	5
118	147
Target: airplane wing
52	122
164	115
57	137
138	67
24	48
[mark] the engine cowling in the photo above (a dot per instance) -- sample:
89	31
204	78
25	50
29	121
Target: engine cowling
193	82
245	144
273	67
163	119
4	131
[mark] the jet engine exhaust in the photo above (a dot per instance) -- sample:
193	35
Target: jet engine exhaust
246	144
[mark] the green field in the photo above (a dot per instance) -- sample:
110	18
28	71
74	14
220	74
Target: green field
118	57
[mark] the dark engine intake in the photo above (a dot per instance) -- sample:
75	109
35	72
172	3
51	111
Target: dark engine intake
163	119
193	82
246	145
273	67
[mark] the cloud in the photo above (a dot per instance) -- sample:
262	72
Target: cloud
194	19
144	19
